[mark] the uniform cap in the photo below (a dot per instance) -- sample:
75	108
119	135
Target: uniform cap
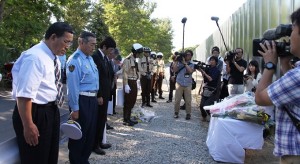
136	47
147	49
71	129
159	54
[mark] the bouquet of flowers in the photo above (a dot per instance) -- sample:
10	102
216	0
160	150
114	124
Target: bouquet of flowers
240	107
231	103
251	114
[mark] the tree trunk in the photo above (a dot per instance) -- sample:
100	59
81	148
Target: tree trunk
1	9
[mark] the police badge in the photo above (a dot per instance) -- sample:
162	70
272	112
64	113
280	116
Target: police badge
71	68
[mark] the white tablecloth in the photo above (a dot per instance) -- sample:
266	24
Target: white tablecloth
227	139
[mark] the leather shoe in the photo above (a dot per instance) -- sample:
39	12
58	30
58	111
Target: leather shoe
169	101
154	101
176	115
148	105
134	121
108	127
160	97
99	151
188	117
105	146
128	123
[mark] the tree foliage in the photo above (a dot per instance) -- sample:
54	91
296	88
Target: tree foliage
23	23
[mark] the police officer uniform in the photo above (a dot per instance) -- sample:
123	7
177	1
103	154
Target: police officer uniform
154	76
145	67
130	76
160	73
83	84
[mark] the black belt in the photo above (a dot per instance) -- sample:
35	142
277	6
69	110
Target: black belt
52	103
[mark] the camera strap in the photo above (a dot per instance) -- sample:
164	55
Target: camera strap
295	121
180	69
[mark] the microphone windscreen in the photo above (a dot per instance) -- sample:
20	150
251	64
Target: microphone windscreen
214	18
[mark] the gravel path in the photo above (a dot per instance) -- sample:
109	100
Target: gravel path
164	140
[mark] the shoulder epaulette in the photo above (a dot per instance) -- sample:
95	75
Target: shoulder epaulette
76	55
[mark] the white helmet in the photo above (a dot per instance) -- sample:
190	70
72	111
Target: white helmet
136	47
159	54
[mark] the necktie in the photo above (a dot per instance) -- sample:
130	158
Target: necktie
59	86
147	64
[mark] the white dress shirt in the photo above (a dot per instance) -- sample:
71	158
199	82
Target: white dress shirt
33	75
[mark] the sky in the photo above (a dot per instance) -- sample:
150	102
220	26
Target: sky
199	25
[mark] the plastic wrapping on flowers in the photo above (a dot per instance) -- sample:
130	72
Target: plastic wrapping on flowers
241	107
142	115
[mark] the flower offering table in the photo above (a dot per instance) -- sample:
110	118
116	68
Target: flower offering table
228	138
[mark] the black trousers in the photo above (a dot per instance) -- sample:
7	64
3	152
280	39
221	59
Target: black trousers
172	87
47	119
101	121
114	94
224	89
207	101
146	89
80	150
129	100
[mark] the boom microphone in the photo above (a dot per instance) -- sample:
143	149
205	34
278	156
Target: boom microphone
183	20
215	18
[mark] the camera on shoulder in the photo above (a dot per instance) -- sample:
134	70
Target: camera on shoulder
282	48
180	56
230	55
201	65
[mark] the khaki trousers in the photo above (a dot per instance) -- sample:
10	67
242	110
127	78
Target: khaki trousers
290	159
187	91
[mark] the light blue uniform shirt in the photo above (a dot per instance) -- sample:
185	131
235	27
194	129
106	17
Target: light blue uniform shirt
82	75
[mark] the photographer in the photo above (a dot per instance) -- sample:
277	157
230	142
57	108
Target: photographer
284	94
215	51
235	67
252	77
184	82
211	79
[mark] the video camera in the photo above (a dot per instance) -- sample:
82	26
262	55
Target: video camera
201	65
282	48
179	56
229	55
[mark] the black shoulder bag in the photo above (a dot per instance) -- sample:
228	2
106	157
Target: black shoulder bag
295	121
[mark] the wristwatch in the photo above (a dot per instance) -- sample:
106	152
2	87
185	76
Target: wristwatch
270	66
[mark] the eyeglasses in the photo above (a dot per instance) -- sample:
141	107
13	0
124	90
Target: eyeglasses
68	43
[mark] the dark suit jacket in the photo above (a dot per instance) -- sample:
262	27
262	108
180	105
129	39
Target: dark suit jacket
105	76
